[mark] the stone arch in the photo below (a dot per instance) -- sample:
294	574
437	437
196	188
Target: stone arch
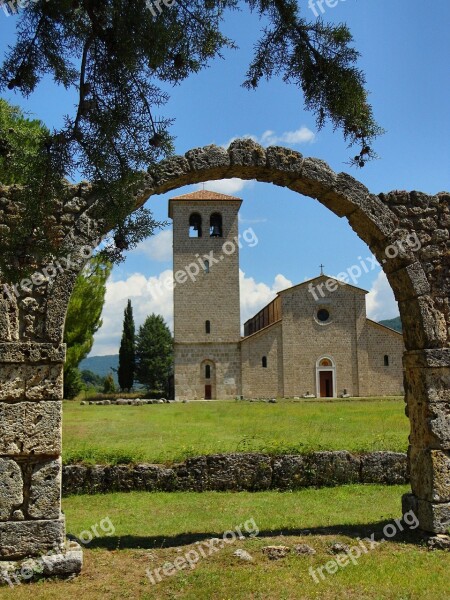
412	225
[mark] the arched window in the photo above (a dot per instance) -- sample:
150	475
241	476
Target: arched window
215	225
207	326
264	362
195	226
207	371
325	362
386	360
206	264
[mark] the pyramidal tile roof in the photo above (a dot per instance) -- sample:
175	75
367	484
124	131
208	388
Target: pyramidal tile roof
205	195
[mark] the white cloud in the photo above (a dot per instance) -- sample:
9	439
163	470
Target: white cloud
303	135
157	247
254	295
380	300
154	294
226	186
147	295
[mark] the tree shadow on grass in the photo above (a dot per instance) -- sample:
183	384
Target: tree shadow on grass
374	531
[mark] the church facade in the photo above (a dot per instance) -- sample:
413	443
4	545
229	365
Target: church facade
313	339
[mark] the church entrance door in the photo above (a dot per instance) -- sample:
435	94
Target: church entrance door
208	392
326	384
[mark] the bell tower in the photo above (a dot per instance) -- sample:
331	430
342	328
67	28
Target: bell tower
206	295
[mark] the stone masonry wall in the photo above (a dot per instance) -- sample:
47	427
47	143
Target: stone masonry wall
385	380
239	472
259	381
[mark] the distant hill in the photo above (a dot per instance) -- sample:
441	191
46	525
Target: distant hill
393	324
101	365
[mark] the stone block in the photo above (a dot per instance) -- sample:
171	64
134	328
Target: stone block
430	423
428	385
373	221
333	468
30	428
29	352
430	474
435	357
384	467
45	492
11	488
21	539
291	472
236	472
286	164
410	282
434	518
208	159
424	325
31	382
248	155
170	173
316	178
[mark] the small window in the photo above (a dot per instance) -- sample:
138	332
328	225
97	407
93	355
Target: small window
208	327
195	226
215	225
206	265
386	360
264	362
207	371
323	315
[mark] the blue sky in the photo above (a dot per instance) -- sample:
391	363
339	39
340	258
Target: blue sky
405	56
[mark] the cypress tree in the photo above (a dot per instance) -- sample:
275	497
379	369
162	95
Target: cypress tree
127	364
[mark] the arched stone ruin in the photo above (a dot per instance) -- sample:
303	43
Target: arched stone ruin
32	322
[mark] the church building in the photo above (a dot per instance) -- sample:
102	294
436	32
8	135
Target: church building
313	339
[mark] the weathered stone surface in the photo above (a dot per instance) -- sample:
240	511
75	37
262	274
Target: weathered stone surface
429	423
333	468
434	518
11	488
435	357
247	154
29	352
208	158
291	472
428	384
31	382
30	428
169	173
372	219
45	491
430	474
409	282
284	161
384	467
316	178
21	539
424	326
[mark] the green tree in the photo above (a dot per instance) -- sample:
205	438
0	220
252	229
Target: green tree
119	57
109	387
83	318
127	360
154	354
20	142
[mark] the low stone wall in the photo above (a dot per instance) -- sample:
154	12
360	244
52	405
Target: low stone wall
240	472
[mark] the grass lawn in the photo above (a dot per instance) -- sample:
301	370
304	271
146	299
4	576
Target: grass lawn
164	433
151	529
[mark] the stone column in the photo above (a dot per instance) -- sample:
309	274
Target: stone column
31	390
427	387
